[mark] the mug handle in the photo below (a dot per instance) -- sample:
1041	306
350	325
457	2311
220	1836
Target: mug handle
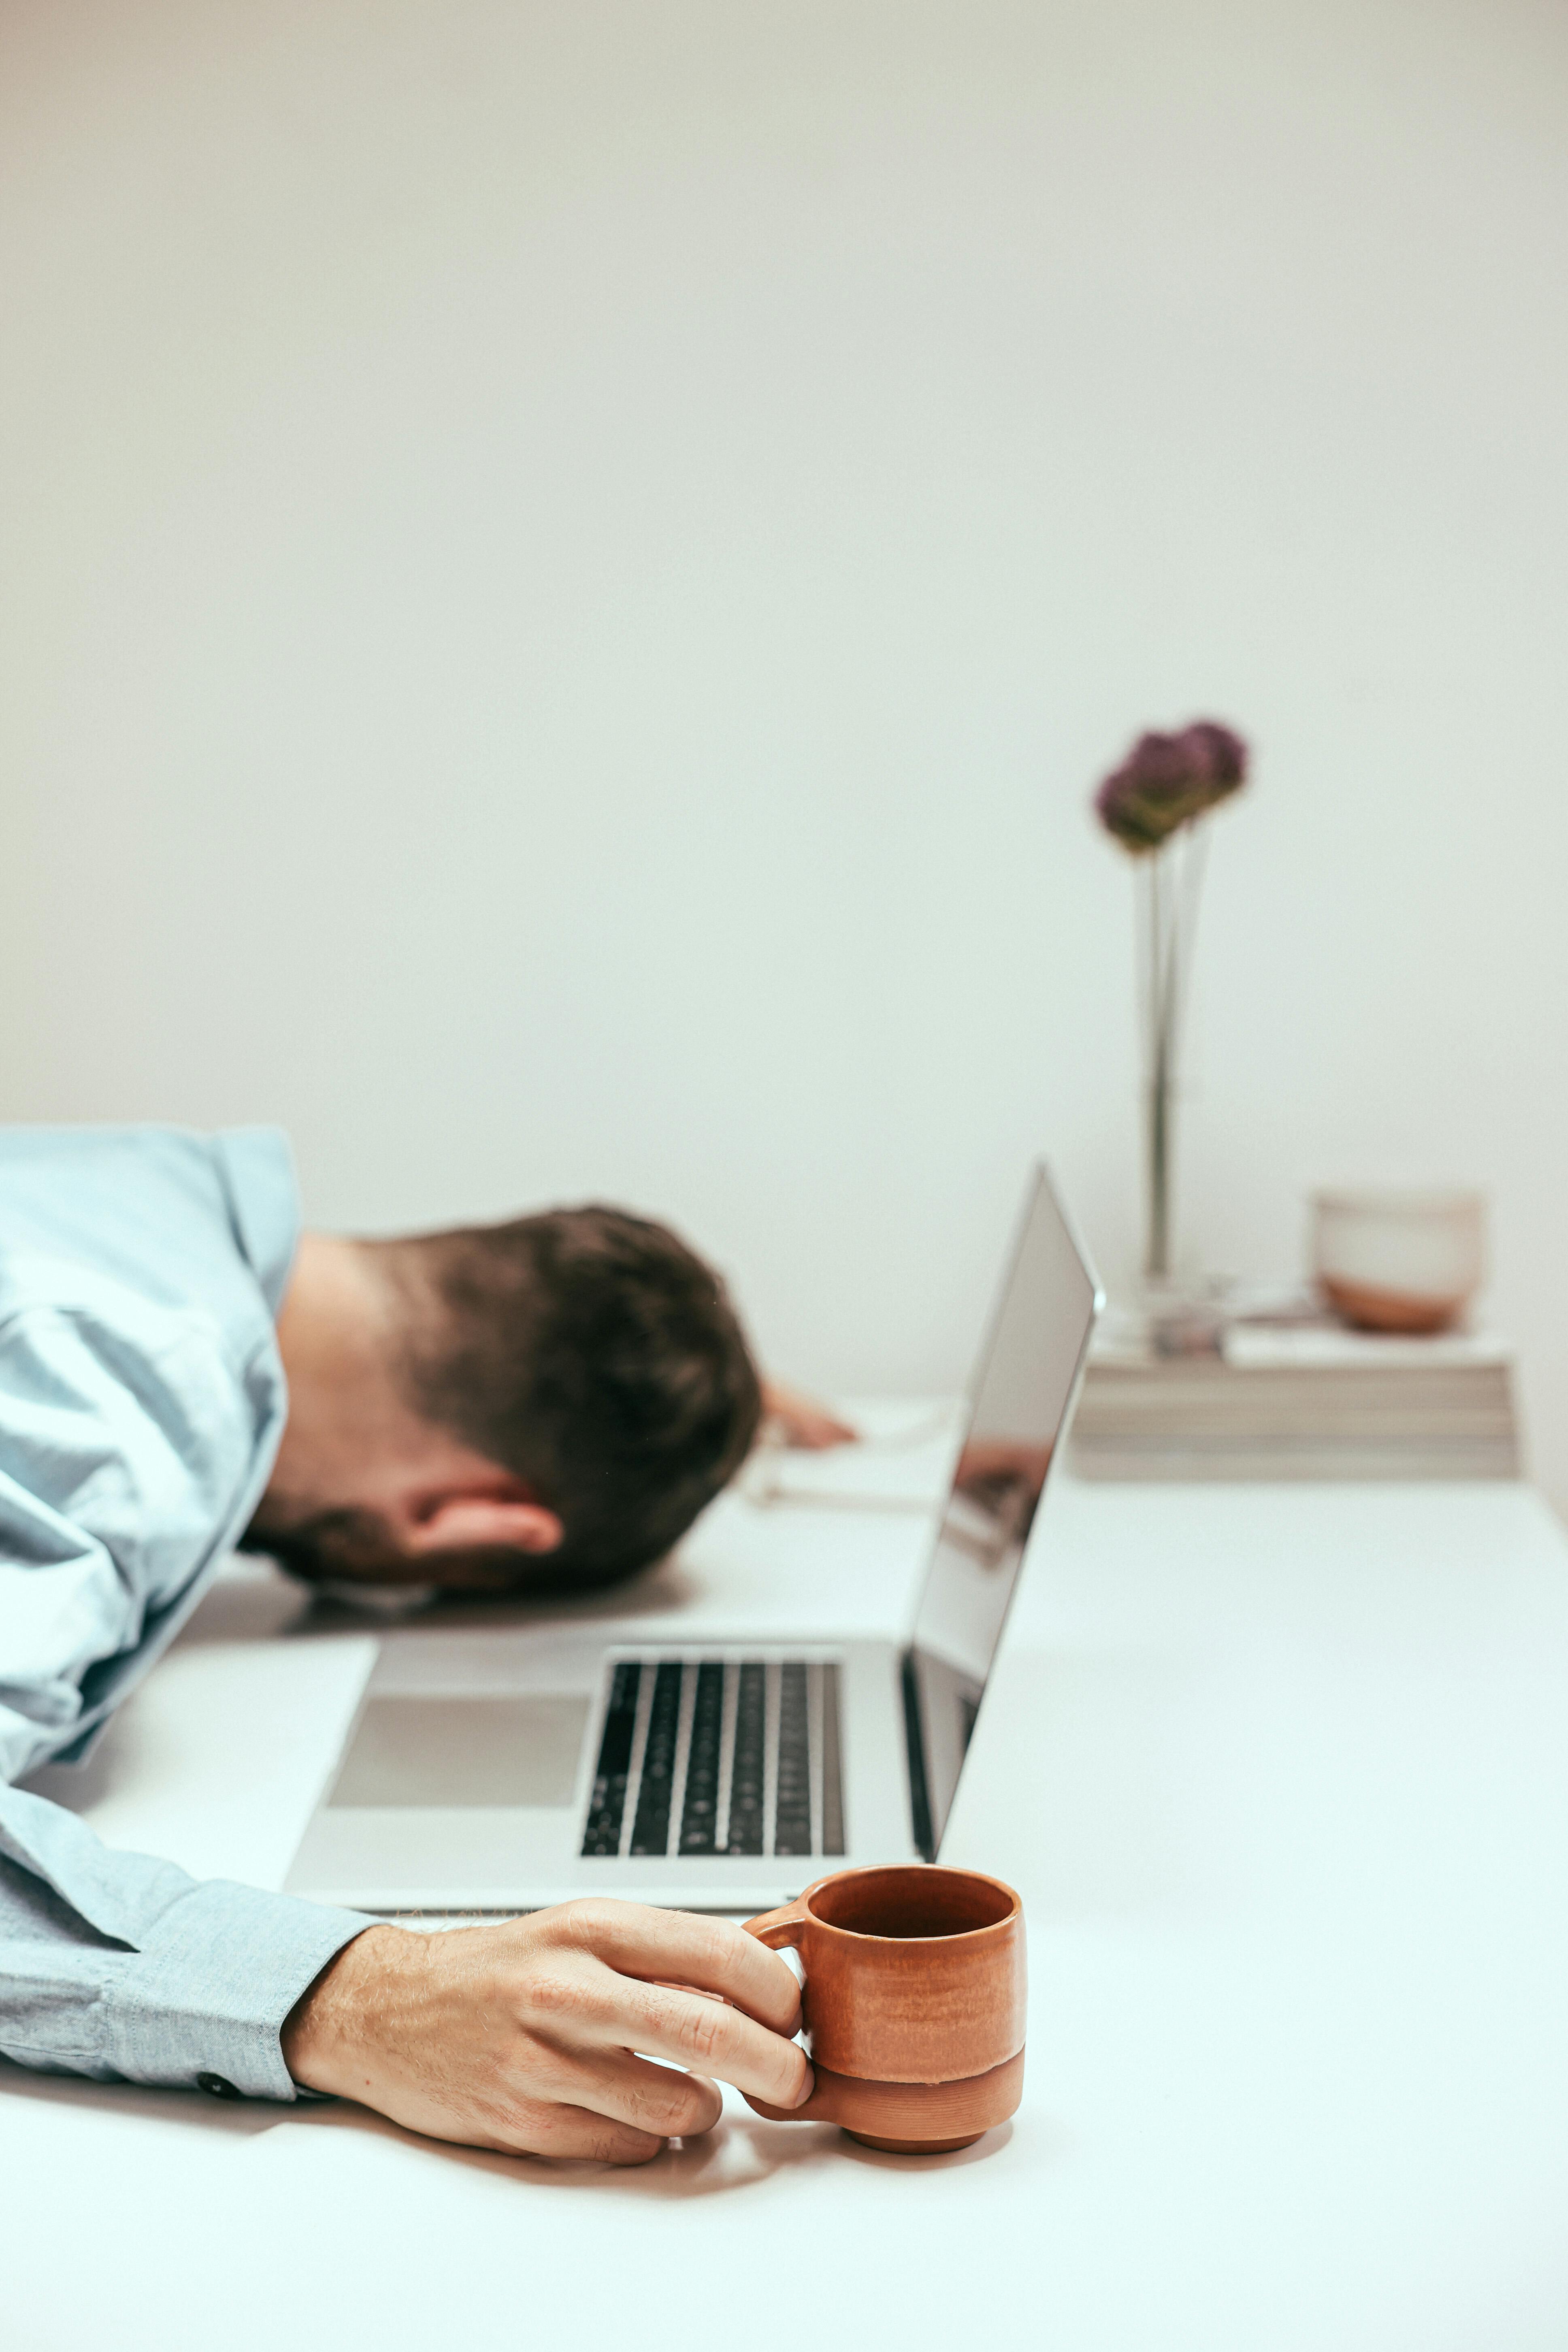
778	1929
782	1928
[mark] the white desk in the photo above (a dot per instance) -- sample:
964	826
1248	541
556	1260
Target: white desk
1283	1776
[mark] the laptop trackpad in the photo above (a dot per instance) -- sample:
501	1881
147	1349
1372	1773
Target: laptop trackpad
463	1753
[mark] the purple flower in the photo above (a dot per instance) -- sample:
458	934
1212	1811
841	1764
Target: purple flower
1167	780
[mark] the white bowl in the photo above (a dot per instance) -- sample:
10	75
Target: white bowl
1390	1260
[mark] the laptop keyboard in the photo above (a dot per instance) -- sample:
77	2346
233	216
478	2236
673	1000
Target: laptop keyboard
704	1757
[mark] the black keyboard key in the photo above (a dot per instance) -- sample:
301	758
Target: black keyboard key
699	1812
650	1829
792	1810
606	1806
832	1779
746	1824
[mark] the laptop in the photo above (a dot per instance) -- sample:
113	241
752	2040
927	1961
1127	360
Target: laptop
499	1769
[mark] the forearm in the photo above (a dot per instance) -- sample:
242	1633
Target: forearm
123	1968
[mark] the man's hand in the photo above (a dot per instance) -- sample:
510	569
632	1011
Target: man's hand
803	1420
524	2037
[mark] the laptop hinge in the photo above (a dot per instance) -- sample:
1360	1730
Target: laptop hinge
920	1804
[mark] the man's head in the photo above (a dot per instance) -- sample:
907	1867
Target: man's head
548	1400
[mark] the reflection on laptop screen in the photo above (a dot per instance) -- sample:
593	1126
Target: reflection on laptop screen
1022	1391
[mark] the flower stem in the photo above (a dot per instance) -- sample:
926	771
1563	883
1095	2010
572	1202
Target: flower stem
1157	1116
1171	877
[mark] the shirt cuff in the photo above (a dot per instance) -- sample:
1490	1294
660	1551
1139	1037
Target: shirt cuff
210	1989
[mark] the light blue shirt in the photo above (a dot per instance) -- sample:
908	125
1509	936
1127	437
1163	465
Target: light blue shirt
142	1402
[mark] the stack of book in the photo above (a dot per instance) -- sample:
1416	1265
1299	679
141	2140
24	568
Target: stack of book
1302	1399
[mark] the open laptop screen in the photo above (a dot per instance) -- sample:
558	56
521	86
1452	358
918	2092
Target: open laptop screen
1022	1391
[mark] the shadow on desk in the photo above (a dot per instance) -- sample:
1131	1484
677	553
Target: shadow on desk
229	2118
740	2152
254	1601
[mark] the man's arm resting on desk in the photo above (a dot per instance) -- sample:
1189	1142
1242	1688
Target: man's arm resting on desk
523	2037
527	2037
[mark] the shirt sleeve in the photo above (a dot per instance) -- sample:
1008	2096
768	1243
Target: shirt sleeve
124	1969
126	1443
127	1447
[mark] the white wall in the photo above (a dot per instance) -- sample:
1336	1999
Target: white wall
568	570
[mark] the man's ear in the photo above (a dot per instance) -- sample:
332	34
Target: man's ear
474	1520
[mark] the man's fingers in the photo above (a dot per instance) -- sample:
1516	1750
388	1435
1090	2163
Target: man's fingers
709	2037
631	2091
711	1954
805	1420
569	2134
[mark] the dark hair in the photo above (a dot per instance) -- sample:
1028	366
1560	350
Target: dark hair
593	1354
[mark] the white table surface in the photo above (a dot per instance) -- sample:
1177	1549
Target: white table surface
1282	1773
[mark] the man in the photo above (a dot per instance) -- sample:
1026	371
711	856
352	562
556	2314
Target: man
180	1371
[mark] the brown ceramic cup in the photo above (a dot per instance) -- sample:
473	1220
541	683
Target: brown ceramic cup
914	2001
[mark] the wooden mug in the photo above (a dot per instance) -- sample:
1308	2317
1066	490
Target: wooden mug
914	2000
